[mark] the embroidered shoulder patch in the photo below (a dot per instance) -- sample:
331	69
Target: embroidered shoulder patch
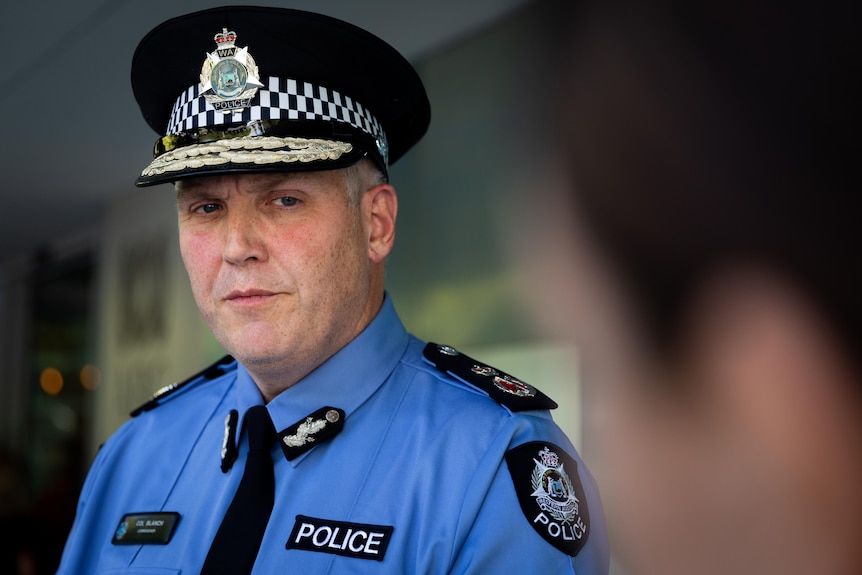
501	387
551	495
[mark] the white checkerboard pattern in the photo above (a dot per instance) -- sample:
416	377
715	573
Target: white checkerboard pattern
281	98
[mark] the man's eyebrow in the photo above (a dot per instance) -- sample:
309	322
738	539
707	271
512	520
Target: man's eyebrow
255	183
262	182
189	189
190	184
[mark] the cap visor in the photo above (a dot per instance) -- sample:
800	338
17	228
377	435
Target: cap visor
249	154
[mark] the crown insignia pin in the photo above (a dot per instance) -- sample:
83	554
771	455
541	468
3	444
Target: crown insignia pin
229	76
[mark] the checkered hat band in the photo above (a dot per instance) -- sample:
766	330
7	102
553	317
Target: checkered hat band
280	99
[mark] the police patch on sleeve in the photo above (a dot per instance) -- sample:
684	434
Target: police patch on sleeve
551	495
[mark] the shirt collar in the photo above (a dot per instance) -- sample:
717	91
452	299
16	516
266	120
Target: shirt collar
346	380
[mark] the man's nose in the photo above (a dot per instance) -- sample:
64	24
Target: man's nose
243	238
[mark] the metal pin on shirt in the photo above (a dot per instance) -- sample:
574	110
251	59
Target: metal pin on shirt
229	449
323	424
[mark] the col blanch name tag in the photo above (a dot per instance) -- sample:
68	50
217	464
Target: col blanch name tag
146	528
358	540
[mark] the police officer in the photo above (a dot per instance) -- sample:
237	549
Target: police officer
330	440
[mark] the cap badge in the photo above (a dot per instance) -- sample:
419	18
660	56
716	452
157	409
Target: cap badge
229	75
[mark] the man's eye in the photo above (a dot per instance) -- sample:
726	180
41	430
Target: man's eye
287	201
207	208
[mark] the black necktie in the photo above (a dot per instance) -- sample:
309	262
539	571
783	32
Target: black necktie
237	541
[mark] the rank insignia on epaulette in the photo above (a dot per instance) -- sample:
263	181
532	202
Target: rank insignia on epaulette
550	494
229	75
502	387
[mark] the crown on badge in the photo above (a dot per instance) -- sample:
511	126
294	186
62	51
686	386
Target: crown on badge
225	38
549	458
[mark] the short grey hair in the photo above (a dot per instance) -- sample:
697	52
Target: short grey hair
361	177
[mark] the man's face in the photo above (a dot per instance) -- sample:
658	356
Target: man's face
278	264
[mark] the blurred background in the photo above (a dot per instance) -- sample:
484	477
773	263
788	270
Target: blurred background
95	310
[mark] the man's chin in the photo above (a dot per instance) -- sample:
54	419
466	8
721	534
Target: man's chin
256	346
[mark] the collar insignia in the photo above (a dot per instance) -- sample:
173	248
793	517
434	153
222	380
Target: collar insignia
321	425
229	75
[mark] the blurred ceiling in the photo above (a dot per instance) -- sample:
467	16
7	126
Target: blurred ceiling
73	137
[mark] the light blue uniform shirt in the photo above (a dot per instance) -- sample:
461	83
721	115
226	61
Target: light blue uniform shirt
417	481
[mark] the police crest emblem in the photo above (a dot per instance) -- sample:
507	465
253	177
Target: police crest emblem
553	489
229	76
550	494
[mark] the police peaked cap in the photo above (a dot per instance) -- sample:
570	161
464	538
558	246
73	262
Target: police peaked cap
243	89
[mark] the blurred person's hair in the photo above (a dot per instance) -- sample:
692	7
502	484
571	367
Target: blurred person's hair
705	134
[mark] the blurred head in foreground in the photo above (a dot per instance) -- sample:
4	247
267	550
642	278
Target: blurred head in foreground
703	231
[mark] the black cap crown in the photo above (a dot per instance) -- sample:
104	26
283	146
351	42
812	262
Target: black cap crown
244	89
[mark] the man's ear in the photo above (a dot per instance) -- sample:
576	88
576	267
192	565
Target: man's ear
380	207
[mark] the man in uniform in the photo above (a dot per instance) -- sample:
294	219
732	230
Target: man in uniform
330	440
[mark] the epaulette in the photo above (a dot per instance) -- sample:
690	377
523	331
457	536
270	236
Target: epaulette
208	373
501	387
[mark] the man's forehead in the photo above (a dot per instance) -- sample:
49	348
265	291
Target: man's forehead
251	182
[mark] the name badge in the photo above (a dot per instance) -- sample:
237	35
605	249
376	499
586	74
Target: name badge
146	528
358	540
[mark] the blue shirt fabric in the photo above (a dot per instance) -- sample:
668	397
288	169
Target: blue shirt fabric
421	452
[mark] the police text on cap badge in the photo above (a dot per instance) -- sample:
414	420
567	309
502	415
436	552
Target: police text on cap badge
229	76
